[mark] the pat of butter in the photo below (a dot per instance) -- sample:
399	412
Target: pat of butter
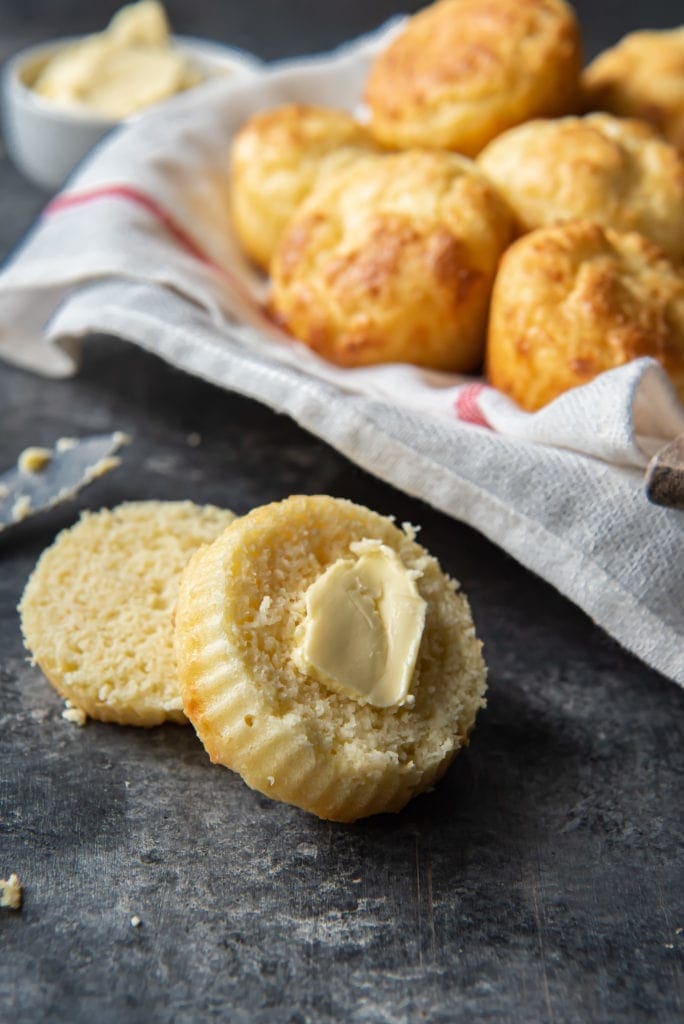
123	69
363	626
32	460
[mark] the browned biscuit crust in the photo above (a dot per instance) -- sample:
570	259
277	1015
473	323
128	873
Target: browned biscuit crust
392	260
642	76
574	300
275	159
463	71
616	172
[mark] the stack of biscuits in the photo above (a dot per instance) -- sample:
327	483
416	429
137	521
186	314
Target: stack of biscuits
498	206
477	217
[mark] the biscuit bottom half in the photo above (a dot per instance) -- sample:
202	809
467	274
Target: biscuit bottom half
96	612
257	711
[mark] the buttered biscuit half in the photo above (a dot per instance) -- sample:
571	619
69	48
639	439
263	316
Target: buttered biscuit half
97	610
325	656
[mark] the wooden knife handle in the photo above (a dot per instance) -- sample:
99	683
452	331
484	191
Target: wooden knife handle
664	479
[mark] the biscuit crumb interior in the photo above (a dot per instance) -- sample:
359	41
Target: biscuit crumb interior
97	610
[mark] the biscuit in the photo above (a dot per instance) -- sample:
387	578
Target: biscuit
642	76
96	612
392	260
619	173
574	300
257	711
275	159
463	71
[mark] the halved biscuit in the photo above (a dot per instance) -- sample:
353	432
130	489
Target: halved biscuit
258	710
97	610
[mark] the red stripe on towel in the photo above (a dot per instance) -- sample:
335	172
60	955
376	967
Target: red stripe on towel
133	195
68	200
467	407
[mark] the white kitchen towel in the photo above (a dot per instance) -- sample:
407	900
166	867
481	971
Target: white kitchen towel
139	244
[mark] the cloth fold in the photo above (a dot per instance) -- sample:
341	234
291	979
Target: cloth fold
140	245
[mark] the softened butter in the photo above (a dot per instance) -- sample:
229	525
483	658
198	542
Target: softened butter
363	626
127	67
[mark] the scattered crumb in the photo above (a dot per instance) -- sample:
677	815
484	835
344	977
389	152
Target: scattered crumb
135	921
678	931
270	780
409	700
669	945
10	892
32	460
65	444
126	783
75	715
109	462
102	467
410	530
263	616
356	881
194	439
21	508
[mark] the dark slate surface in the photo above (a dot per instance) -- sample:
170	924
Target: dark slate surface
541	881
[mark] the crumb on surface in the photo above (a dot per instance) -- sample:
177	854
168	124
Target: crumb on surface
194	439
135	921
32	460
21	508
75	715
410	530
65	444
102	467
10	892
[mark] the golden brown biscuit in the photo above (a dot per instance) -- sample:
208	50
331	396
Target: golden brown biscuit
96	612
574	300
275	159
462	71
616	172
642	76
260	712
392	260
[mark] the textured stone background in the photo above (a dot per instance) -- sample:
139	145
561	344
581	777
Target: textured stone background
540	882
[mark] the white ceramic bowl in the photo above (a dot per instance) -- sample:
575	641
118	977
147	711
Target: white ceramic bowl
46	141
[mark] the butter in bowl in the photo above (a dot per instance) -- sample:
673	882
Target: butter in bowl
61	97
